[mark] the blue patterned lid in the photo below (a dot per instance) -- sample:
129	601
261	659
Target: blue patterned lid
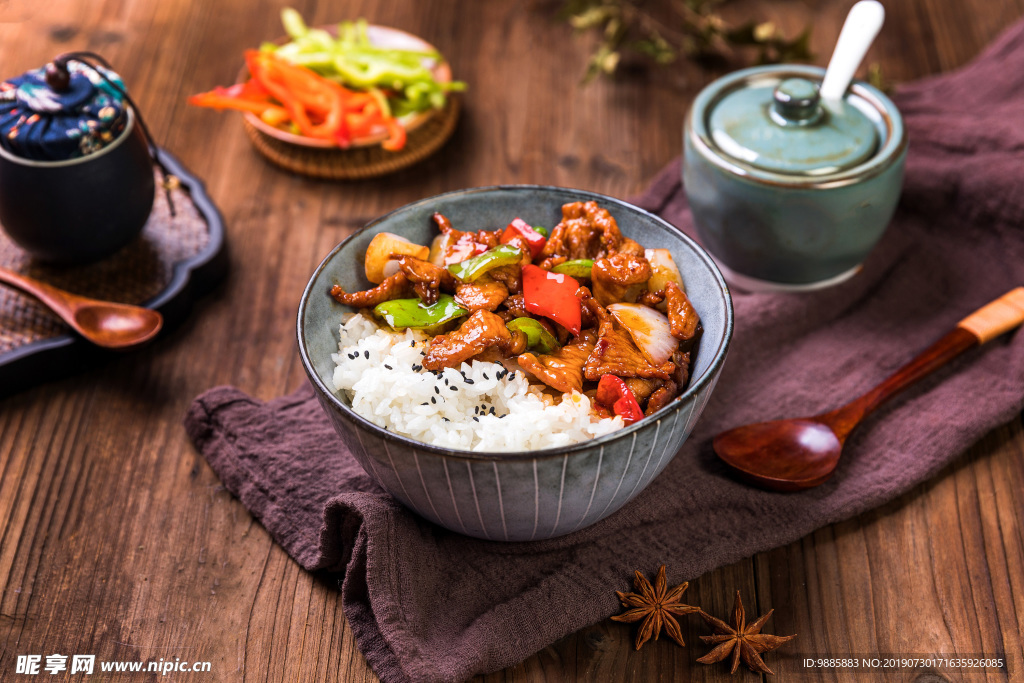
40	123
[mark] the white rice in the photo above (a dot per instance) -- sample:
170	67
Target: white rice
469	408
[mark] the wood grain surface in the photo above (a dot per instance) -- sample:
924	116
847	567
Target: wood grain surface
116	539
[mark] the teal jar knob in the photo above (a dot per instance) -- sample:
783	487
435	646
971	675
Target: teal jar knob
797	103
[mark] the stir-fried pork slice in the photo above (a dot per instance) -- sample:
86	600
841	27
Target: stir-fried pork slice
517	306
661	397
628	246
481	331
483	295
510	276
428	280
464	244
395	287
643	388
651	299
563	369
681	315
620	277
681	376
616	354
586	231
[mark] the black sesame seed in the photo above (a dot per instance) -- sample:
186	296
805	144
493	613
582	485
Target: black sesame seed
417	368
436	390
453	388
433	399
388	366
511	376
485	376
446	419
492	410
469	381
446	381
476	419
366	354
424	404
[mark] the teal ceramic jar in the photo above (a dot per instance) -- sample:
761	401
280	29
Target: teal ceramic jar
790	192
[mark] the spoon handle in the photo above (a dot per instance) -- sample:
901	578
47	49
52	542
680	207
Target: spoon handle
986	323
862	25
55	299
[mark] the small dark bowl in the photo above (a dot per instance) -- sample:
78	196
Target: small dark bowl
83	209
527	495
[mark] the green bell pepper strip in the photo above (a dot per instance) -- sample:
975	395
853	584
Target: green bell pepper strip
536	336
541	229
472	268
578	268
403	313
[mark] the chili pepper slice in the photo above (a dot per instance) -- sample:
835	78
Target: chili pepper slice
613	393
552	295
218	100
520	228
536	336
403	313
578	268
472	268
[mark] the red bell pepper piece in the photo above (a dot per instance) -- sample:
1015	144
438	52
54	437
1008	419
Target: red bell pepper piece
520	228
552	295
396	135
613	393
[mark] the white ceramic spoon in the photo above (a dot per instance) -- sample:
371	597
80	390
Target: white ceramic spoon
862	25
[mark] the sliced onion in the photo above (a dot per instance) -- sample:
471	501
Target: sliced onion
664	270
379	252
438	249
649	329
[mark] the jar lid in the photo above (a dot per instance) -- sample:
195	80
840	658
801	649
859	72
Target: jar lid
43	124
781	125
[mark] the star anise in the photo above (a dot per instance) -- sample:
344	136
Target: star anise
655	605
744	641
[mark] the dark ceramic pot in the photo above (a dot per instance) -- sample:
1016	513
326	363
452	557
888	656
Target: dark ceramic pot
528	495
80	210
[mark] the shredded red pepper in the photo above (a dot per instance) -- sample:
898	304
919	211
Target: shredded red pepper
280	92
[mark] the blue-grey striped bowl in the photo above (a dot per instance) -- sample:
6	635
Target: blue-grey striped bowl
528	495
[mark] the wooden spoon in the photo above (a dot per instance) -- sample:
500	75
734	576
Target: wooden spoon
104	323
790	455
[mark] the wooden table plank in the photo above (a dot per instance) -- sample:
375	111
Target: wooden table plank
118	540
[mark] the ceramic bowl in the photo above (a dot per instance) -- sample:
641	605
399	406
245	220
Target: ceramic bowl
83	209
528	495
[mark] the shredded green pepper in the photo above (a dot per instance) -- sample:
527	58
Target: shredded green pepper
536	336
578	268
541	229
403	313
472	268
355	62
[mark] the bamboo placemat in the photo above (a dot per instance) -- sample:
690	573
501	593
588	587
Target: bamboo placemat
136	274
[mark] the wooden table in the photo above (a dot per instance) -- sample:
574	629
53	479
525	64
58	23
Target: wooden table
117	539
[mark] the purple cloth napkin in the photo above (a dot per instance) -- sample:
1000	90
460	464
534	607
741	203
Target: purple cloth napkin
430	605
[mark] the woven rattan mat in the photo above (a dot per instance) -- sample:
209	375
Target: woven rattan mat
136	274
357	163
